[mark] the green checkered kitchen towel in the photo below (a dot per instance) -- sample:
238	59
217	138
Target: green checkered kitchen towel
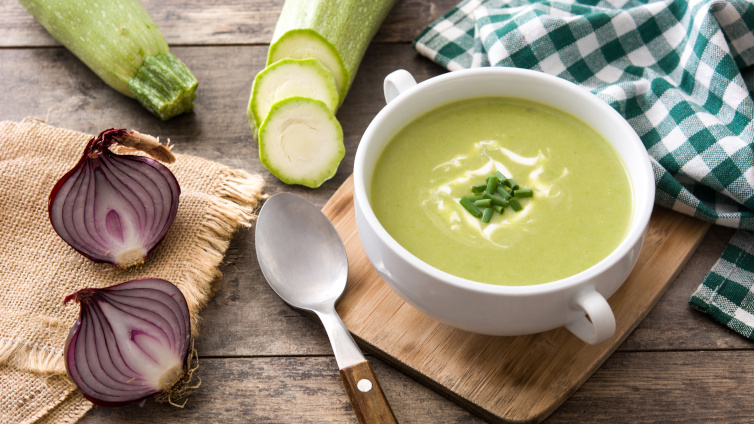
679	71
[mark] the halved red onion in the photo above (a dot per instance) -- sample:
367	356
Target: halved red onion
131	341
116	208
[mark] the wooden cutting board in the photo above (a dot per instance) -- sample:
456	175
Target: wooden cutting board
503	379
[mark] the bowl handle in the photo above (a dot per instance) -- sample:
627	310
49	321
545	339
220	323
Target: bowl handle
396	83
601	323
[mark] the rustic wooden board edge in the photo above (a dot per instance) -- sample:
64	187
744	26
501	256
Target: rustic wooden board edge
342	200
623	335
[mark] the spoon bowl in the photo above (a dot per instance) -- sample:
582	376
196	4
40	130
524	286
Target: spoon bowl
304	261
300	253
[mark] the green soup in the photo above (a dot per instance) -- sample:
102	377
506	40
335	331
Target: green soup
580	212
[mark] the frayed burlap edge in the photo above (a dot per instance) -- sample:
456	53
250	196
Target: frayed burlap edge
25	357
240	195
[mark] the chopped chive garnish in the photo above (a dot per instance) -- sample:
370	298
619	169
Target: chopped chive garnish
503	192
478	188
515	204
485	202
496	200
487	215
492	183
469	206
523	192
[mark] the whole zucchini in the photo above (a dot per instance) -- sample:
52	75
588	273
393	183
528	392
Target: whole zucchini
119	42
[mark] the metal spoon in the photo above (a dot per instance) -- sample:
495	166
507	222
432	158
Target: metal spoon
305	263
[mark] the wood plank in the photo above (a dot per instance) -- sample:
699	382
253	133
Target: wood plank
221	22
504	379
631	387
285	390
665	387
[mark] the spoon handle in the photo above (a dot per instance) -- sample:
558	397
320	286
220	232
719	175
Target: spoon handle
364	391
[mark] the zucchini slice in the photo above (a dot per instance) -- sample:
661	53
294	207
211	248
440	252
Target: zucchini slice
306	43
301	142
290	78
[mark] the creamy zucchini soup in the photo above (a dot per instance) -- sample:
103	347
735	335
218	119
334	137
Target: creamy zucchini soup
579	209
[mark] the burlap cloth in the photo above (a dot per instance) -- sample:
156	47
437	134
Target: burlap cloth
38	269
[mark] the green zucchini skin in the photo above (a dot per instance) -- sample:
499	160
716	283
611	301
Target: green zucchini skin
114	38
347	25
164	85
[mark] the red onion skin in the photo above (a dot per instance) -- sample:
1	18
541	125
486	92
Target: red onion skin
64	178
106	138
81	296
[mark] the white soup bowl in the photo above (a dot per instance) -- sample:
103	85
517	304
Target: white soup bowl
577	302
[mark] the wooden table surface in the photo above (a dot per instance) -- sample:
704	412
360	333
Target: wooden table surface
261	361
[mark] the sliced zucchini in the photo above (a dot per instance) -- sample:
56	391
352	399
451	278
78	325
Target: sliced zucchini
338	33
301	142
290	78
307	43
